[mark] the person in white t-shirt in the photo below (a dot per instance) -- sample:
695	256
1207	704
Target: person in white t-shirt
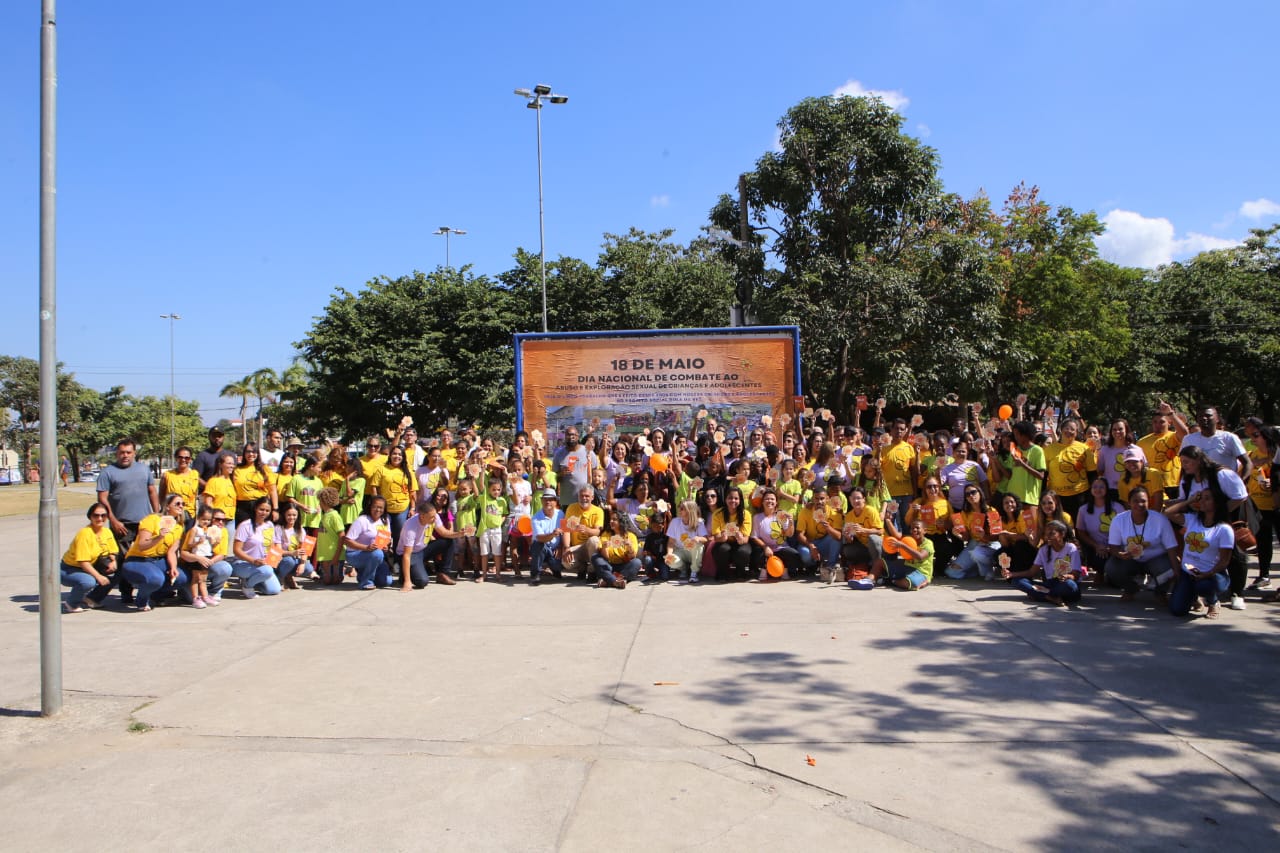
1208	545
1222	447
1141	543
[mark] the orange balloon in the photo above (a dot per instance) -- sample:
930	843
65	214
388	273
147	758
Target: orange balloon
774	567
909	541
658	463
890	546
1005	412
524	524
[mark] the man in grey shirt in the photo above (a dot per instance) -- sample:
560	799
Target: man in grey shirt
570	463
129	492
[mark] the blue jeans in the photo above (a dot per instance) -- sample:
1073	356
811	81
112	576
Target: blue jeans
1187	589
218	574
258	578
397	520
608	572
977	559
81	582
289	564
371	568
1067	591
436	558
828	549
545	554
147	574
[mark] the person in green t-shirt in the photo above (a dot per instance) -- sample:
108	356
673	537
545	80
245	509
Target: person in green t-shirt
1028	465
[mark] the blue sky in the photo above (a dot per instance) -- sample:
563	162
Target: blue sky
234	162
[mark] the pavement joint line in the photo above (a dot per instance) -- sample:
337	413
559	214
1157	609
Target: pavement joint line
1134	709
571	813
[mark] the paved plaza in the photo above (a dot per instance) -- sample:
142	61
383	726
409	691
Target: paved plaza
791	716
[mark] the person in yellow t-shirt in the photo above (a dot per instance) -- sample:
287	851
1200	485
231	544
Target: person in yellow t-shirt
583	524
253	481
900	464
1068	461
152	559
373	458
934	510
731	536
395	482
182	479
1161	447
616	562
90	562
1266	443
863	535
818	531
1138	473
220	489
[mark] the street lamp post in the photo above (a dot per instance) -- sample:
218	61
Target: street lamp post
173	414
535	99
447	231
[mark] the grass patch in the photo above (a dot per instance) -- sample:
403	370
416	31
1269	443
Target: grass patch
25	499
138	727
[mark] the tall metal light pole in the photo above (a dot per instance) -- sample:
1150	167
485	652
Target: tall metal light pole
50	583
447	231
535	98
173	416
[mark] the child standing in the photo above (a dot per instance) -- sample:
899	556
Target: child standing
493	509
520	495
197	553
329	542
466	521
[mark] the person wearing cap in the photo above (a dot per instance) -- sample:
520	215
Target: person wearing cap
1138	473
425	540
293	447
545	547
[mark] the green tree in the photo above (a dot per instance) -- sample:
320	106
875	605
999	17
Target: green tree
887	298
146	421
1063	311
1213	322
430	346
265	384
78	409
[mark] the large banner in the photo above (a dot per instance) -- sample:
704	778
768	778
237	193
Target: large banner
626	381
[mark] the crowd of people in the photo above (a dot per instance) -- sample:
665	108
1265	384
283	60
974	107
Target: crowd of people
1041	501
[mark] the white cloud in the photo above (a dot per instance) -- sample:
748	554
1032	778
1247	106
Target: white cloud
892	97
1132	239
660	201
924	130
1258	208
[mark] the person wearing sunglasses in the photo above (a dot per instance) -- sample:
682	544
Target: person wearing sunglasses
153	556
90	562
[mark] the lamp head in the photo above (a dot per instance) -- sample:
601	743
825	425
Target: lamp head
542	89
559	99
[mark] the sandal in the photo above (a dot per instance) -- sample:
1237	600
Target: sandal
620	583
67	608
1213	611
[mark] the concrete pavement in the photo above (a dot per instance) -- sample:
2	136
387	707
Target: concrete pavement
497	717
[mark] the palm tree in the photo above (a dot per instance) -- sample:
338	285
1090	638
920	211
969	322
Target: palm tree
242	390
264	384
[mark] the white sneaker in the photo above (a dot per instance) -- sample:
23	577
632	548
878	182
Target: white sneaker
250	592
1261	583
1237	603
